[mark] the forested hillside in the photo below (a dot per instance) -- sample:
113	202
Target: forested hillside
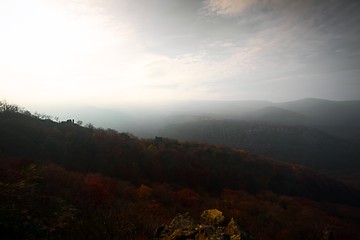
283	141
63	180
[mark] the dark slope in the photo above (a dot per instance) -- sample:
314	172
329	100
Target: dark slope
290	143
325	111
29	137
340	118
278	115
197	166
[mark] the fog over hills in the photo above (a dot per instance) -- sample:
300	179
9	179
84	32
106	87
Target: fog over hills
314	132
277	115
339	118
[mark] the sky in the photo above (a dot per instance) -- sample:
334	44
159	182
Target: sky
118	52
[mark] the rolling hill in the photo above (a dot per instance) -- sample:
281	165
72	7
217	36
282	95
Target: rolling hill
290	143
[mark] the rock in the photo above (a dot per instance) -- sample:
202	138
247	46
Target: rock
327	234
246	235
183	221
181	227
212	217
205	232
177	234
161	231
184	227
232	230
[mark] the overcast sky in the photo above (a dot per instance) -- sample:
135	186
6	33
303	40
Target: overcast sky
151	51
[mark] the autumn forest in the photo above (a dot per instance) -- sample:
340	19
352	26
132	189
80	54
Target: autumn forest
61	180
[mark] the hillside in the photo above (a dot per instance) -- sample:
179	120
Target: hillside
88	175
340	118
158	160
286	142
278	115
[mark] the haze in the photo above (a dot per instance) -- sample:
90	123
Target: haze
112	53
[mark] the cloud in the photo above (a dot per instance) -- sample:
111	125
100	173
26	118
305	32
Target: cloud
228	7
200	71
234	7
173	49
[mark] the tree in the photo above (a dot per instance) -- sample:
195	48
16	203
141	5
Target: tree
6	107
89	125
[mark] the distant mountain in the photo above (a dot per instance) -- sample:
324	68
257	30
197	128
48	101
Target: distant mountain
224	109
314	132
290	143
325	111
277	115
341	118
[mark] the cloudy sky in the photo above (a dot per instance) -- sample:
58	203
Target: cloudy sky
141	51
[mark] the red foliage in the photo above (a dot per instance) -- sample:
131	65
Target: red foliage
100	188
188	198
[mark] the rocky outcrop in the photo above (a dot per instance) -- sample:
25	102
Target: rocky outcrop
212	217
211	227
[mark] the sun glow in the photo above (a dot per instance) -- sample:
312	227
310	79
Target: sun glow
37	32
54	51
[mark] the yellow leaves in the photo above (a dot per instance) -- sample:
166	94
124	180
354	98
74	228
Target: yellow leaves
212	217
152	148
30	168
243	152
